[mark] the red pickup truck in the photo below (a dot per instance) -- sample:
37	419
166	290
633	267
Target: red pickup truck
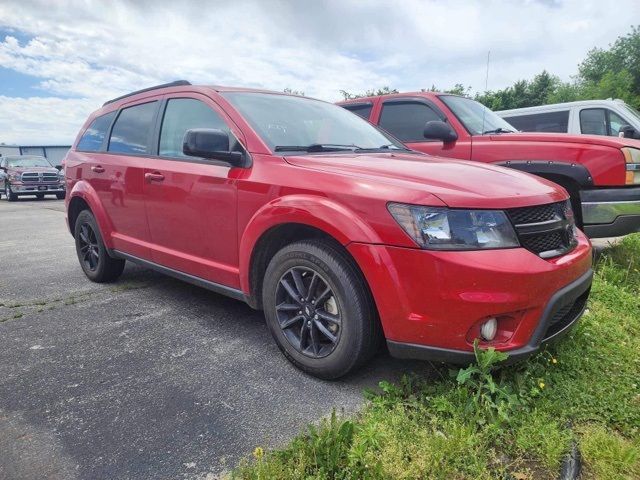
601	174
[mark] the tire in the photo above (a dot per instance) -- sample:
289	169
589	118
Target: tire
93	256
61	196
311	348
40	196
11	197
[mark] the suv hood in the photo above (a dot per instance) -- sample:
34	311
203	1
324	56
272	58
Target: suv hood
457	183
615	142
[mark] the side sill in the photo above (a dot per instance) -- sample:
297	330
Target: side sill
185	277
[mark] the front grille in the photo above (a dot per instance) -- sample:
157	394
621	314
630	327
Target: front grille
566	315
537	214
49	177
30	177
546	230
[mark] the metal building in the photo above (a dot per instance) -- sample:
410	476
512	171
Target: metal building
53	153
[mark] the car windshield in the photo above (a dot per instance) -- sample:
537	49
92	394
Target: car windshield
476	118
28	161
288	123
633	111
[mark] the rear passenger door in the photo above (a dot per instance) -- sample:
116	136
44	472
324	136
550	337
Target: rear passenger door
406	118
191	202
113	151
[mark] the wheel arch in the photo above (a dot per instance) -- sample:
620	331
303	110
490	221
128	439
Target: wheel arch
82	197
288	220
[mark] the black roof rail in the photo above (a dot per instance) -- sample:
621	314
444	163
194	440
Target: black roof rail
177	83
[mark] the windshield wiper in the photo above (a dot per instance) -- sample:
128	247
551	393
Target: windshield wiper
498	130
316	147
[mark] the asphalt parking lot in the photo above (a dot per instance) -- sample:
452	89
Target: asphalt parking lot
146	378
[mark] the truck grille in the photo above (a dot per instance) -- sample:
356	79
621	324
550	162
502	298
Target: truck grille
546	230
35	177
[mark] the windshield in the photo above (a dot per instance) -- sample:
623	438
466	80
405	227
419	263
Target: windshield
19	162
476	118
288	123
633	111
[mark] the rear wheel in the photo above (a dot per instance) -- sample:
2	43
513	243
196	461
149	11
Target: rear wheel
319	310
94	258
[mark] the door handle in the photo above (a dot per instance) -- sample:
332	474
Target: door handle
97	169
154	177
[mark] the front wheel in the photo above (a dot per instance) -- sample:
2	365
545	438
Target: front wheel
60	196
11	197
94	258
40	196
319	310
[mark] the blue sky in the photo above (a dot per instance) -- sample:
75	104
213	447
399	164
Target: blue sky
60	61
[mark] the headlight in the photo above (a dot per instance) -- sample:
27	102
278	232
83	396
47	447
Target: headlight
13	177
438	228
632	158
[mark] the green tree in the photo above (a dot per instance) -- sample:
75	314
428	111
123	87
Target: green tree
368	93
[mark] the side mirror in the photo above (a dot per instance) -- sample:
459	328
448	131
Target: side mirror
210	143
627	131
438	130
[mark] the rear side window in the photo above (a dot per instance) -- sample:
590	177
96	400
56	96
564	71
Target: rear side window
92	138
557	122
406	120
130	133
181	115
363	109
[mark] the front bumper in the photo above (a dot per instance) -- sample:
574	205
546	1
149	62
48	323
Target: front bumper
563	310
611	212
431	304
32	189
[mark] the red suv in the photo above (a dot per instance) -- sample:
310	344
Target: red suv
602	174
336	230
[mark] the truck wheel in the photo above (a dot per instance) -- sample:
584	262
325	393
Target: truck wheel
95	261
40	196
61	196
319	309
11	197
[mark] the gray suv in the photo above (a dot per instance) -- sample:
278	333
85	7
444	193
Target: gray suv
30	175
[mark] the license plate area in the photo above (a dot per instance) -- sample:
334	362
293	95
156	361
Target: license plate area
42	188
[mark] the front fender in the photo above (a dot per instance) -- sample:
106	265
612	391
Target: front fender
82	189
334	219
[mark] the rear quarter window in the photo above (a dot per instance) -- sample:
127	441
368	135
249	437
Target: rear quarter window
92	138
557	122
362	109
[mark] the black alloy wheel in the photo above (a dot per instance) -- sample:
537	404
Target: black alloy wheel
88	245
308	312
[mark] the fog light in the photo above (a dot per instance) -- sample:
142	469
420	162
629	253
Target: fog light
489	329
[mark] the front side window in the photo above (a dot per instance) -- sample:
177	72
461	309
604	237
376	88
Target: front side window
362	109
406	119
92	138
183	114
475	117
557	122
288	123
615	123
593	121
130	133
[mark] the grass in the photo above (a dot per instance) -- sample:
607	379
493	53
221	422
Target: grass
482	422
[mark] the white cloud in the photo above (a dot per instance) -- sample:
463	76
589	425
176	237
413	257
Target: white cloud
97	50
